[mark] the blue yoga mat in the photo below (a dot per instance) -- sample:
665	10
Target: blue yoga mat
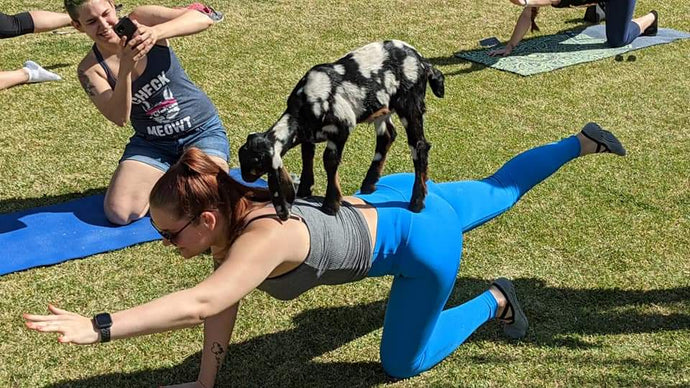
551	52
75	229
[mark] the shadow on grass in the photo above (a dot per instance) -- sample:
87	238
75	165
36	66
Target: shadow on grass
18	209
17	204
453	60
284	358
558	315
287	358
57	66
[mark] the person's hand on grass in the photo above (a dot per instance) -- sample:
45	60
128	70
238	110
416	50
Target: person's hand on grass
73	328
502	52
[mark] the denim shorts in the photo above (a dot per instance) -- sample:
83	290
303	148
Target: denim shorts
210	138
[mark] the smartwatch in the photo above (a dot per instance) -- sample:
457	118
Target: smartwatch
102	322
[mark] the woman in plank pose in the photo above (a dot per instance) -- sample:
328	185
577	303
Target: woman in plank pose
196	206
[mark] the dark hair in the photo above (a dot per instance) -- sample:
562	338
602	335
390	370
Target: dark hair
535	12
72	7
196	184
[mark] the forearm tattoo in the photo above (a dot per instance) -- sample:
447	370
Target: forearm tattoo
85	83
218	351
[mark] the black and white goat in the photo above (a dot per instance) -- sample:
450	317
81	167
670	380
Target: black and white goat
366	85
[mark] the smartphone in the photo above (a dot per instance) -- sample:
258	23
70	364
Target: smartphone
489	42
125	27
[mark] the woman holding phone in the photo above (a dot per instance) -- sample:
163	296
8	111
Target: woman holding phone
132	74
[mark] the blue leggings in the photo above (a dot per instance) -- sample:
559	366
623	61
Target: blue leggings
422	251
620	29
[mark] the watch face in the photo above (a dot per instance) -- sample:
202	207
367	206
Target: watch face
103	320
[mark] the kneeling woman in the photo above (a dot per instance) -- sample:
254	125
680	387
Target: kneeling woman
621	28
196	206
140	79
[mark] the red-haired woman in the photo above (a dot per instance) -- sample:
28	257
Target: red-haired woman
196	206
621	28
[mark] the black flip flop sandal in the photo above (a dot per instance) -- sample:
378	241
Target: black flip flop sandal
516	326
606	141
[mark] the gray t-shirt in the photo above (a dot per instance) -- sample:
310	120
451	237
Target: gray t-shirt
340	250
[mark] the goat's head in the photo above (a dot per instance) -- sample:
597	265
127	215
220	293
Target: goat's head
256	156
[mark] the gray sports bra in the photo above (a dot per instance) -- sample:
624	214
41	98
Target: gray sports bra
340	250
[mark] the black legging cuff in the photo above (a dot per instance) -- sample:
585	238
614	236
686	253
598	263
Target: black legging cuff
15	25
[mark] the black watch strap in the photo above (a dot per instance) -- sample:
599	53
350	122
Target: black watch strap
102	323
105	334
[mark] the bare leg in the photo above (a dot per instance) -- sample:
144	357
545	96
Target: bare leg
13	78
46	20
127	198
644	21
501	300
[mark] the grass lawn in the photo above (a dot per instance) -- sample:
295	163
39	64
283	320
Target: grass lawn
599	252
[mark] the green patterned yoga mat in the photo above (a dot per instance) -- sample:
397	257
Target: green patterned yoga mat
551	52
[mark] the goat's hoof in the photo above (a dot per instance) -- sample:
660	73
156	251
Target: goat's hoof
303	193
416	206
330	209
367	189
283	213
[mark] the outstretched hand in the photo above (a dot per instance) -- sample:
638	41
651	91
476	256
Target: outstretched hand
502	52
72	327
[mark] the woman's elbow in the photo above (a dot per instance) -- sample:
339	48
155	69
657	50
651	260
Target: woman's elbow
202	20
206	306
119	122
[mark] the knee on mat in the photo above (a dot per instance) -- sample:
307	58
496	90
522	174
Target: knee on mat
119	214
616	42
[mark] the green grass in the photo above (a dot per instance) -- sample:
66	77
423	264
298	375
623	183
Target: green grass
599	251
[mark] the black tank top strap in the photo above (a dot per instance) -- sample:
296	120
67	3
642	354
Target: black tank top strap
274	216
111	80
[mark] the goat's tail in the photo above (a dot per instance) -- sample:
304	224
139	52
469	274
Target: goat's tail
435	78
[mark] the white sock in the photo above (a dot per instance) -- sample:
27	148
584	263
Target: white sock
39	74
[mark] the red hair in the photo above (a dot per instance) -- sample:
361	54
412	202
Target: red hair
196	184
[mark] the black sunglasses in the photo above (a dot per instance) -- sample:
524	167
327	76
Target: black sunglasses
171	236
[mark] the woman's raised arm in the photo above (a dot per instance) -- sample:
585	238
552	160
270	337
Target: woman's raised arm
171	22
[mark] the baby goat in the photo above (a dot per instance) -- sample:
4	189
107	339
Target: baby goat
366	85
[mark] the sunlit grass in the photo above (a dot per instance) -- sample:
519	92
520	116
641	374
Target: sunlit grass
599	251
